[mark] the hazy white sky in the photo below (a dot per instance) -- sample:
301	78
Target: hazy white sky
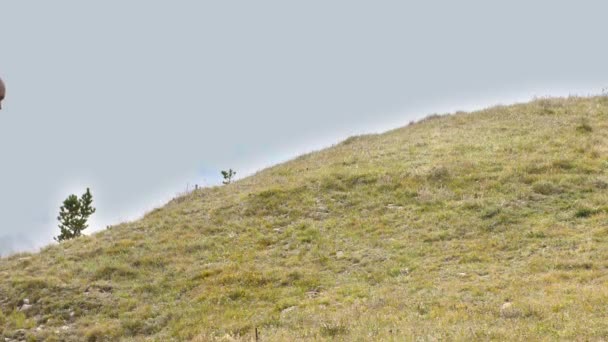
136	99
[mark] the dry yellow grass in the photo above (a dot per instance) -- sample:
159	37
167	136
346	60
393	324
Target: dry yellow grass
420	233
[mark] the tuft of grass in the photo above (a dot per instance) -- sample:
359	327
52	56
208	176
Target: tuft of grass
333	329
489	213
110	272
586	212
584	126
106	331
546	188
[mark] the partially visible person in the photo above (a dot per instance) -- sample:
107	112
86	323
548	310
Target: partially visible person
2	92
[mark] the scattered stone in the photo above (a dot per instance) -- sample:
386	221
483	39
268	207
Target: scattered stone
507	310
18	335
312	294
228	338
25	307
339	254
26	301
98	288
319	215
462	274
288	310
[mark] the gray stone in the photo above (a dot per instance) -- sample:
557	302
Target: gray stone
25	307
288	310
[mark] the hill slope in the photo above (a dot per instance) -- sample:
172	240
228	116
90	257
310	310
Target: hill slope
489	225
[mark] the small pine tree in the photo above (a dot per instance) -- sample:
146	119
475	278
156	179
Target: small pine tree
228	176
73	215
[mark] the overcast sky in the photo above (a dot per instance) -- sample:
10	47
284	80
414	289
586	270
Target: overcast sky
137	99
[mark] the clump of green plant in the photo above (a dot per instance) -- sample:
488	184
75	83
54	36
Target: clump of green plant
73	215
584	126
585	212
228	176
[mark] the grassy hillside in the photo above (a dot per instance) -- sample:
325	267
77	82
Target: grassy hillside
488	225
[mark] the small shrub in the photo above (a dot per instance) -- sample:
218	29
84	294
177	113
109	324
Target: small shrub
73	215
585	212
439	173
228	175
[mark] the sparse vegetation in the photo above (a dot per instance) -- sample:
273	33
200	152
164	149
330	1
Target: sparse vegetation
481	226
